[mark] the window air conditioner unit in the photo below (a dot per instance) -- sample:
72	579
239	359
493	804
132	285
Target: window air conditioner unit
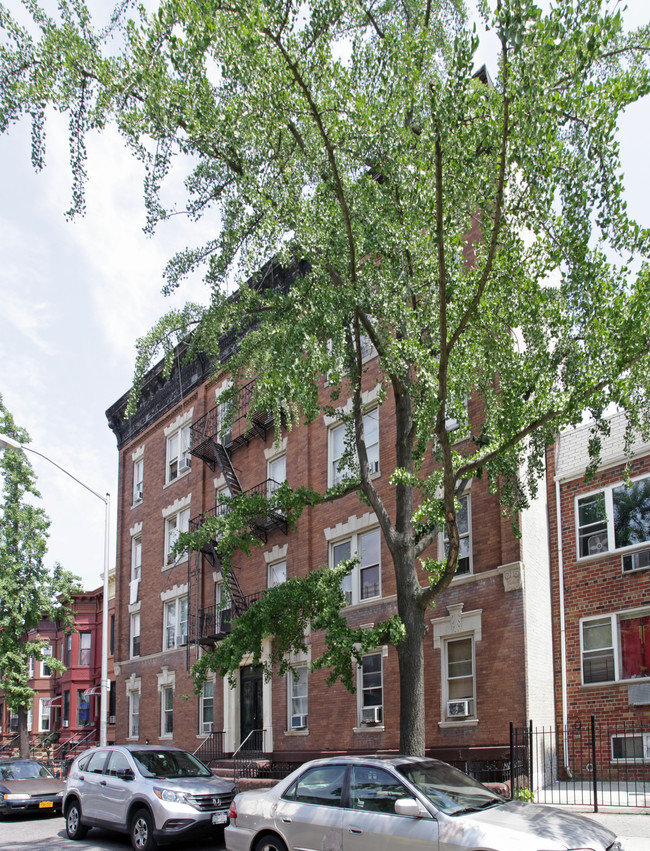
138	494
298	722
371	714
66	723
181	639
374	467
636	561
597	543
458	708
208	726
185	464
111	719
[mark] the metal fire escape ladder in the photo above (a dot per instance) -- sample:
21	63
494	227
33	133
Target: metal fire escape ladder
226	467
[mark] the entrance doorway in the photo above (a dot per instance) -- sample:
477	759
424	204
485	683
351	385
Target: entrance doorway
251	708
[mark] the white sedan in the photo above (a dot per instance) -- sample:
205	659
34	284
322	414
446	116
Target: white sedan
399	804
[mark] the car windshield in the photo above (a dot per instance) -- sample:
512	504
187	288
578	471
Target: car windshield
23	771
170	764
448	789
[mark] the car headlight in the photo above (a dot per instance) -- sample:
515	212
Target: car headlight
170	796
16	796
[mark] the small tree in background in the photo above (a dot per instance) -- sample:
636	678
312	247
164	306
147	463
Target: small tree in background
29	591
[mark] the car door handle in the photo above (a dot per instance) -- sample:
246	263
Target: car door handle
286	820
102	783
354	830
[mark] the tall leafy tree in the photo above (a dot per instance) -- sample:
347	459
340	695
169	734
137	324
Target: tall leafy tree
473	231
29	590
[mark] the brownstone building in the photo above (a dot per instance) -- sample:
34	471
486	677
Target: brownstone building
601	592
488	649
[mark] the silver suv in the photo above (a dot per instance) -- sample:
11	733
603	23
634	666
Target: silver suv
155	794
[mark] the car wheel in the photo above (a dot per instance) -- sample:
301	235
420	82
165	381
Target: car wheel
73	826
142	831
270	842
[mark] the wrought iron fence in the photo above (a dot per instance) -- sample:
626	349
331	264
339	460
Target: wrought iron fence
588	764
211	748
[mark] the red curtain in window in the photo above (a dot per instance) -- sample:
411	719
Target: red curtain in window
635	646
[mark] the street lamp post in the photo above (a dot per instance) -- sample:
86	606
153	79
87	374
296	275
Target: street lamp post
7	442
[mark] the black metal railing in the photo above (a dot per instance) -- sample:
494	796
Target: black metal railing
590	764
260	524
242	428
211	748
215	622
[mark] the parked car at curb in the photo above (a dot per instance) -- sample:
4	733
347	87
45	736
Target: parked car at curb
400	804
154	794
28	786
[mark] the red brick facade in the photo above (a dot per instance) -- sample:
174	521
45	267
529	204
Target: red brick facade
490	604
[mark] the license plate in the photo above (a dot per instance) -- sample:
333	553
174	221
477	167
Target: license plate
42	804
219	818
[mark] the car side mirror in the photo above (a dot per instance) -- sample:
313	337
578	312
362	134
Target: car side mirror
410	807
125	774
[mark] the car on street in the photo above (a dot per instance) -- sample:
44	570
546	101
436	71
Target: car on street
28	786
400	804
154	794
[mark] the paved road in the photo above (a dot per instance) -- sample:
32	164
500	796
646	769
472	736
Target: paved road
43	833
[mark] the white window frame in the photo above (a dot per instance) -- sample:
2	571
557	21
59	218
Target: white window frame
335	475
223	607
175	523
138	480
31	668
166	711
376	719
298	699
178	458
133	695
174	623
631	760
44	715
273	482
206	701
602	540
614	650
85	635
446	678
464	536
277	573
136	557
134	633
46	671
352	584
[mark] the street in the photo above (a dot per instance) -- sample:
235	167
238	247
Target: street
31	833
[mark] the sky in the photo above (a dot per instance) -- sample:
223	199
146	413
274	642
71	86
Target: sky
75	296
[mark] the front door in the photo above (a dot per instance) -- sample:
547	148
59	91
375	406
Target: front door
250	688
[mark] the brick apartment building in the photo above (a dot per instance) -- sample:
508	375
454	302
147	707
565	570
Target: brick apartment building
66	707
601	590
488	650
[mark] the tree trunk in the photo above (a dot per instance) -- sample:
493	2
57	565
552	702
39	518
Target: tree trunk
410	655
23	735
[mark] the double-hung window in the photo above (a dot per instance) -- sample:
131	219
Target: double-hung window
616	518
45	668
616	647
364	582
277	473
371	690
136	557
176	623
138	480
178	453
44	715
167	711
134	714
67	650
207	707
277	573
85	648
83	709
297	680
135	634
459	683
464	523
340	441
174	525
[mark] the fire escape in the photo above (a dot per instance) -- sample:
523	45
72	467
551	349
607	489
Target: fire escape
213	447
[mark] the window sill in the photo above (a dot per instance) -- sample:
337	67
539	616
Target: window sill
170	565
606	683
379	728
296	732
450	725
166	737
180	476
137	502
